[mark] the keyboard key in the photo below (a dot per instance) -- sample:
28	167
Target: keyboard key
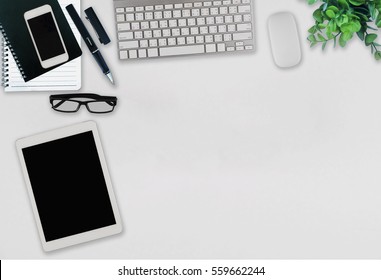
148	15
139	16
166	32
230	49
222	28
235	2
213	29
238	44
207	4
163	23
182	22
167	14
240	48
210	48
130	17
168	6
214	11
179	6
227	37
233	10
191	21
210	20
143	43
195	12
199	39
242	36
162	42
176	32
133	54
181	40
218	38
138	35
153	43
142	53
120	18
231	28
200	21
197	4
128	45
194	31
188	5
159	7
205	11
181	50
176	13
209	38
139	9
120	10
227	2
221	47
219	20
185	31
130	9
123	54
190	40
158	15
144	25
186	13
203	30
124	26
249	47
238	18
135	26
228	19
247	18
171	41
223	10
125	35
154	24
157	33
217	3
244	27
153	52
149	8
148	34
245	1
172	23
244	9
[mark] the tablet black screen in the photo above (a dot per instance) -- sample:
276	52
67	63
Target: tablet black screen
69	186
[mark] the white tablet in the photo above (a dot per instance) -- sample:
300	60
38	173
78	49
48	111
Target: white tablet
69	186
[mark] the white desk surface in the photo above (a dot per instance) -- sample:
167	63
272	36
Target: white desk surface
221	156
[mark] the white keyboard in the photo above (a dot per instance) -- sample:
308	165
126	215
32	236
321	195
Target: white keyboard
147	29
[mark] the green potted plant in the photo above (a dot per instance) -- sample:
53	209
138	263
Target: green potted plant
340	20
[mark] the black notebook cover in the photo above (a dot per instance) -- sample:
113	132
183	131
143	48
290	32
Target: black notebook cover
18	39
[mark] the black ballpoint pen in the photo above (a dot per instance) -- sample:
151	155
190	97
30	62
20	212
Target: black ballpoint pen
89	41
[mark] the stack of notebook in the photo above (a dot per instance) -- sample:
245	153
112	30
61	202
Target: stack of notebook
21	67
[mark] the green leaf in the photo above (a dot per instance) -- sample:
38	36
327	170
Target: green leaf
311	38
342	42
369	39
321	38
357	2
377	55
312	30
343	4
311	2
330	14
318	16
361	35
324	44
378	20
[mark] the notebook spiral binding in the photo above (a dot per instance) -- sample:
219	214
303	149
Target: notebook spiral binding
4	47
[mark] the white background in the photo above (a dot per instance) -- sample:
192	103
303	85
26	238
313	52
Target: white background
221	156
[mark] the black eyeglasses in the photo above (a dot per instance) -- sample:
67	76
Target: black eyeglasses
70	103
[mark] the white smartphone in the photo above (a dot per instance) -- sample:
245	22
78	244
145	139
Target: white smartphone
46	36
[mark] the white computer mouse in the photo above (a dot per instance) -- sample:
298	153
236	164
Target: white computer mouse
284	39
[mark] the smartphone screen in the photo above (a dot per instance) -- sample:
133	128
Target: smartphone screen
46	36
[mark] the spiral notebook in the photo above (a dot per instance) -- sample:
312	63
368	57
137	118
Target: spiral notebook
65	77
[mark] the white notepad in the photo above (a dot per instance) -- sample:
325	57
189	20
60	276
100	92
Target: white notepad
65	77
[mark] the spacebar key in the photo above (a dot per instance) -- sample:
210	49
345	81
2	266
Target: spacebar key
182	50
